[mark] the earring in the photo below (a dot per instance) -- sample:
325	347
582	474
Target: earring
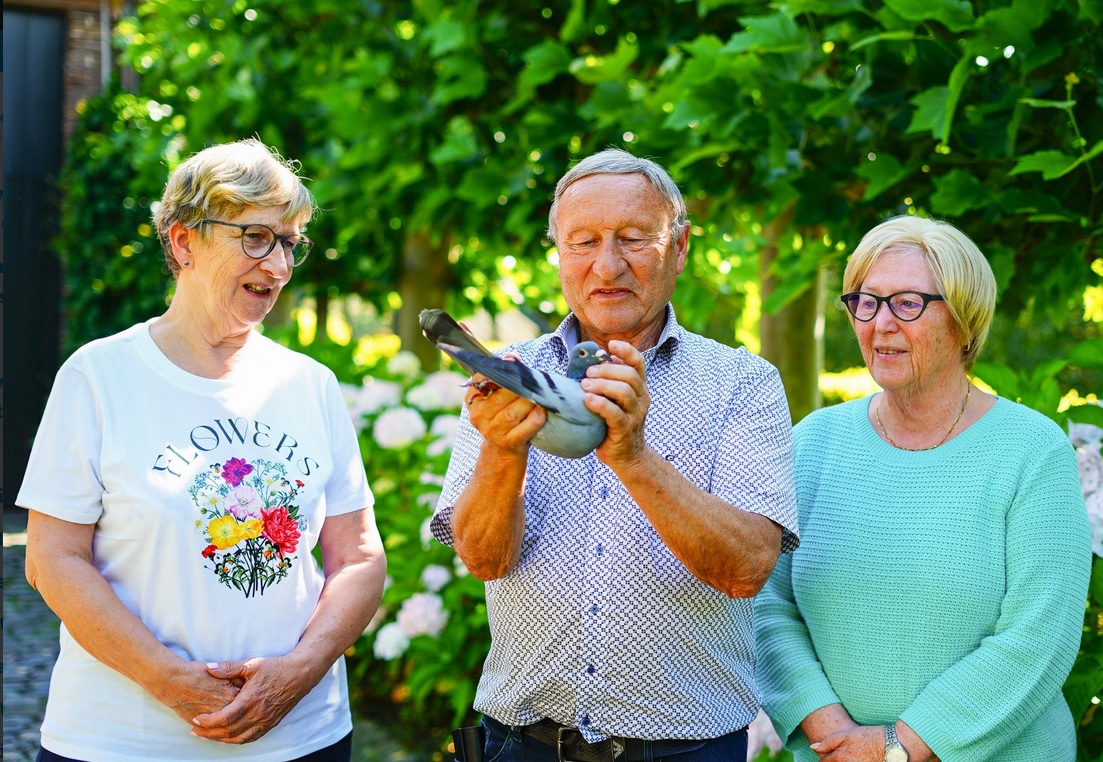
185	263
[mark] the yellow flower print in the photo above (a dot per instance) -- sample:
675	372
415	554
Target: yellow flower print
250	529
225	532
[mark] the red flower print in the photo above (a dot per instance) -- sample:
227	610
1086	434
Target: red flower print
234	470
298	483
208	552
280	529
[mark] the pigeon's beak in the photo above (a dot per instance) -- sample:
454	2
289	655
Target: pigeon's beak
602	355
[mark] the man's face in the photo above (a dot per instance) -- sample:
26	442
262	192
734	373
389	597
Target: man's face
617	262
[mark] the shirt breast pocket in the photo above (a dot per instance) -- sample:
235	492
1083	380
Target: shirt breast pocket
694	463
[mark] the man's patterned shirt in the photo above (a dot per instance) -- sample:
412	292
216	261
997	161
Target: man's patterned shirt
600	626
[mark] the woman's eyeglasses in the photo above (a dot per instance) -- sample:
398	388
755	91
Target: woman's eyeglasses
258	241
905	305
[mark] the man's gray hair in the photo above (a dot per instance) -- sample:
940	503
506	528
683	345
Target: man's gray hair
614	161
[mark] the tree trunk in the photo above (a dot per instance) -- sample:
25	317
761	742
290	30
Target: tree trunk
423	284
792	338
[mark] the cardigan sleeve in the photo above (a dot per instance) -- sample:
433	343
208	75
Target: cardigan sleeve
986	699
790	678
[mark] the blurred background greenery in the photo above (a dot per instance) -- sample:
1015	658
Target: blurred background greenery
433	133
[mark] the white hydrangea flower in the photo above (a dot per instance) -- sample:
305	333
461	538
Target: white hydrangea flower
460	567
1090	462
426	532
1094	503
450	385
370	398
404	364
434	577
422	614
390	642
425	397
444	431
398	427
760	735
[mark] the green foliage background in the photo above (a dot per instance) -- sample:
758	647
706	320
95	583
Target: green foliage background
434	132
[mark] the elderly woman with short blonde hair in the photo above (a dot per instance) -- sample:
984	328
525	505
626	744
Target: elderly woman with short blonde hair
934	607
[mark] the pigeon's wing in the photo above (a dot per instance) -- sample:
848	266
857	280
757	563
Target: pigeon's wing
557	394
439	327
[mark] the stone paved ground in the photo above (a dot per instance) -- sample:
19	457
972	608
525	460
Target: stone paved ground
30	647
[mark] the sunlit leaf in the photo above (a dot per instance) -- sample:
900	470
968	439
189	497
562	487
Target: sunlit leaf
955	15
957	192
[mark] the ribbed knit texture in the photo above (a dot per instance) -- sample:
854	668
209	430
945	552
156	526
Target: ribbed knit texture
943	587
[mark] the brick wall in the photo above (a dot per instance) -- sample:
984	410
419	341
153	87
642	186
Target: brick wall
82	62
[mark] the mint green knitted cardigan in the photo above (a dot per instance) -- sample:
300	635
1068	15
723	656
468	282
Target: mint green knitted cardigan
943	587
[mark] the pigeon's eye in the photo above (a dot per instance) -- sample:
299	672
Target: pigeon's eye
582	353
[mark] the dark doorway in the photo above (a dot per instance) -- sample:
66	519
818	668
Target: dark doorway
34	52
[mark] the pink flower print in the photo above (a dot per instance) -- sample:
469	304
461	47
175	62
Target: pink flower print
281	530
244	503
234	470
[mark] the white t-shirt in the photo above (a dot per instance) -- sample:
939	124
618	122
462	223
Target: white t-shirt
208	497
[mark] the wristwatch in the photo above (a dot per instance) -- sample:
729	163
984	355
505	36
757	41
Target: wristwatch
894	752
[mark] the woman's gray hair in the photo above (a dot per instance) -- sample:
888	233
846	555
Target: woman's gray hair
614	161
220	181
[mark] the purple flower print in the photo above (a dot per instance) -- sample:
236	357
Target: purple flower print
234	470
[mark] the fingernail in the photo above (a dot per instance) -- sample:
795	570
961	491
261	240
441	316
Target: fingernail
195	721
815	746
212	665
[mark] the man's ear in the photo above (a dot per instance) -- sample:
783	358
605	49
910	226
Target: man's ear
681	250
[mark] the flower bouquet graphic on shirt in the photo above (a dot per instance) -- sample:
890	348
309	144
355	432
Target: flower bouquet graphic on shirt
250	522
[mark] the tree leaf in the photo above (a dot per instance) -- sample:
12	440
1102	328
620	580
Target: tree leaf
958	77
882	173
1088	354
1039	103
444	35
776	33
895	36
592	69
957	192
930	111
1092	414
1053	164
955	15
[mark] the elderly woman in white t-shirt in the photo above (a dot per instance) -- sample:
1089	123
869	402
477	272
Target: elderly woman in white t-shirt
184	470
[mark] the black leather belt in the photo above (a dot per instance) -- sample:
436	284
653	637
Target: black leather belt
572	747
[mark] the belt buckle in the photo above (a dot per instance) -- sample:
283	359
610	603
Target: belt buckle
616	750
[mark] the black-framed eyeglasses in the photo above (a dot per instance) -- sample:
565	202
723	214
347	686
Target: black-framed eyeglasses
258	241
905	305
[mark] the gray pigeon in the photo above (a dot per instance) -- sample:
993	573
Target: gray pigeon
571	430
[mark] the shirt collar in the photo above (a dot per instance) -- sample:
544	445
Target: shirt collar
567	334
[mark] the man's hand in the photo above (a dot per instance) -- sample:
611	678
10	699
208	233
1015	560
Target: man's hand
617	391
271	687
505	420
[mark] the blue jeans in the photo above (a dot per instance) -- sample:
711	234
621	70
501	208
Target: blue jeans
508	744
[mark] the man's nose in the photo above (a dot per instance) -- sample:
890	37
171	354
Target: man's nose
609	262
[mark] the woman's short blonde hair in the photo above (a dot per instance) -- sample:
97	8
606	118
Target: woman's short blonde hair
963	275
220	181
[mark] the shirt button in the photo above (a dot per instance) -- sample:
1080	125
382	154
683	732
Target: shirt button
593	608
585	721
599	549
590	670
603	492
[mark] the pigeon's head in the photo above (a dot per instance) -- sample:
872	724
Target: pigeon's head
583	355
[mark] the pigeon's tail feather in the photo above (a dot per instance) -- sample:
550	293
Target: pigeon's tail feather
439	327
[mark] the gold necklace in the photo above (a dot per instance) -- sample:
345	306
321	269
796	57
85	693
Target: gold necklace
877	414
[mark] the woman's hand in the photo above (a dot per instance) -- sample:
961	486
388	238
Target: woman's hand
270	688
861	744
190	689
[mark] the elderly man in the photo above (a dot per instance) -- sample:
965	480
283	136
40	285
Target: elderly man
619	585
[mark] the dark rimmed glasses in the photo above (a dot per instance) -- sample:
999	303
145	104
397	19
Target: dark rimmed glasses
258	241
905	305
